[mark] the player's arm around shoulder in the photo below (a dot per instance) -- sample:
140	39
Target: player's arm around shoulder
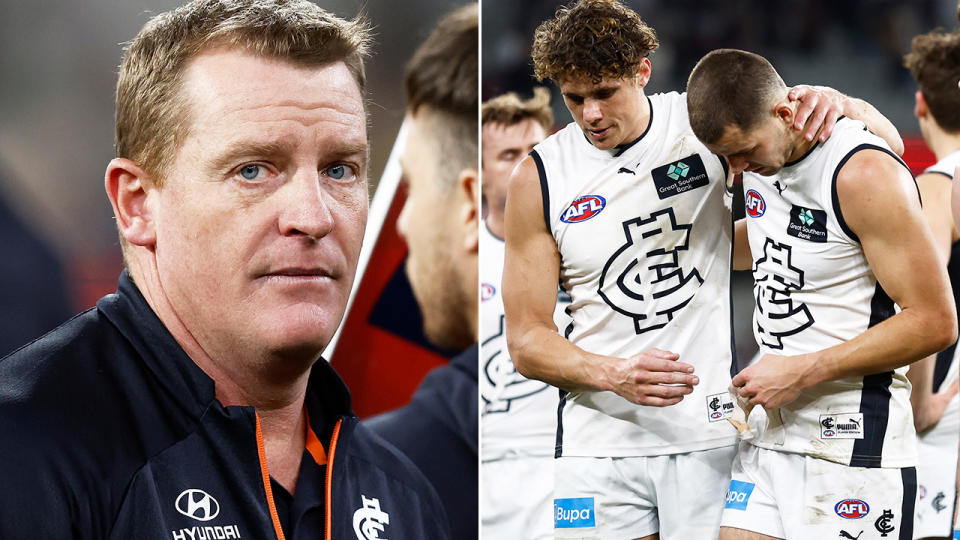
880	204
530	278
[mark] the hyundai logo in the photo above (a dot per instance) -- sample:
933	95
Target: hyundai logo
197	504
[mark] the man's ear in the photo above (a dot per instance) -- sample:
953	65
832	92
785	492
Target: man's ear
920	107
644	72
468	215
128	188
785	111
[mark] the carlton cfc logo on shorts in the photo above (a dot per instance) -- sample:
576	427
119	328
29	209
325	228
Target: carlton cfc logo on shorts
852	508
583	209
573	513
754	203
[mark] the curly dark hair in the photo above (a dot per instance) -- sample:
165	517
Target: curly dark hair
934	62
592	38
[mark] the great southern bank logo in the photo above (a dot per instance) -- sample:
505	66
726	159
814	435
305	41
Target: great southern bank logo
574	513
678	170
754	203
197	504
583	209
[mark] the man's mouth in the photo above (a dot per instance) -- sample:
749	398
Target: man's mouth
297	273
599	133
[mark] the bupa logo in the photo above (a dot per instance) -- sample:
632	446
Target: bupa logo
583	209
369	521
754	203
574	513
197	504
487	291
738	495
852	509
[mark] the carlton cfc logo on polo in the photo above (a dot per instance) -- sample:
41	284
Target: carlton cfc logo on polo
754	203
197	504
583	209
369	521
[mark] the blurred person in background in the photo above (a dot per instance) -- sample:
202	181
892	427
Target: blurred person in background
194	402
934	61
519	420
438	429
33	294
836	239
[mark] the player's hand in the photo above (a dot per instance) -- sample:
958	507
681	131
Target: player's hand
774	381
932	410
654	377
820	106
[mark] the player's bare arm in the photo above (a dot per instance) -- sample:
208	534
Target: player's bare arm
821	107
928	407
530	277
879	202
742	257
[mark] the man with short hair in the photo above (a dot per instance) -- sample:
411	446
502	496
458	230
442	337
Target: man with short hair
836	239
934	62
194	401
519	414
630	213
438	430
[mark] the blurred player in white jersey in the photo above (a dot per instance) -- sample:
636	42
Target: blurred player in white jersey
836	237
934	62
519	415
630	213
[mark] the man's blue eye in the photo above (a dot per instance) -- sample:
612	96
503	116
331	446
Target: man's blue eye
337	172
250	172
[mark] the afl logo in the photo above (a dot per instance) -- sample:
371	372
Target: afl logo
716	414
851	509
197	504
583	209
487	291
754	203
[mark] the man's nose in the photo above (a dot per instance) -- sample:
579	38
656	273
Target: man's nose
306	209
403	217
592	112
738	164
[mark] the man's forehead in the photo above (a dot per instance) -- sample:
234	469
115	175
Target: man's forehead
733	141
587	85
496	132
228	80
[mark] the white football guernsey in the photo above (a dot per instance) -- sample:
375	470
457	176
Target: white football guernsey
946	370
644	233
519	414
814	289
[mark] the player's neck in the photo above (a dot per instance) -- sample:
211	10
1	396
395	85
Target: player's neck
643	120
800	146
495	223
940	142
